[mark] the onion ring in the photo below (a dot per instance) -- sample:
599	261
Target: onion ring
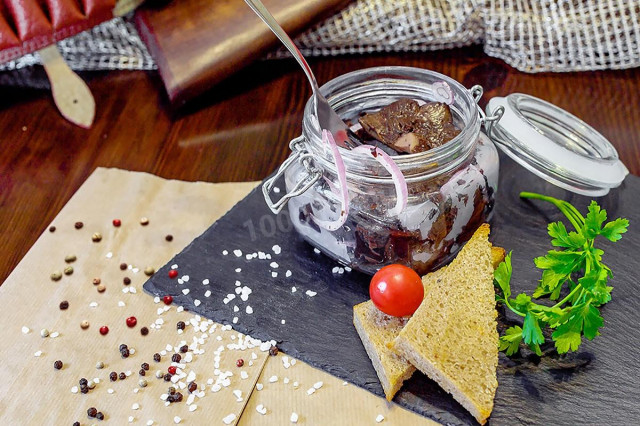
402	194
343	194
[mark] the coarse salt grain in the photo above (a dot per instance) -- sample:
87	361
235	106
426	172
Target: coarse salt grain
174	266
310	293
238	269
288	273
274	274
74	389
95	304
110	390
177	419
274	265
318	385
259	386
109	255
237	252
225	252
25	329
229	419
207	293
197	302
149	423
135	406
249	310
273	379
286	380
244	375
38	353
311	391
185	291
121	304
156	299
294	418
296	384
276	189
235	308
282	322
131	419
316	251
234	320
293	289
193	407
379	418
180	309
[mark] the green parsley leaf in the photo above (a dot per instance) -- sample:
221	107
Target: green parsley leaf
502	276
561	262
613	230
550	284
595	282
531	332
521	302
561	238
585	319
594	220
510	342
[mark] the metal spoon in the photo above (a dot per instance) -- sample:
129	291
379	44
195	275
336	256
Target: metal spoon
327	117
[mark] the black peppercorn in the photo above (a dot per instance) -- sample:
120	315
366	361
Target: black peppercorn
113	376
144	331
193	386
169	237
57	365
76	423
78	225
123	266
83	382
122	346
171	390
273	350
142	372
176	358
122	376
64	305
91	412
124	353
52	229
145	366
184	348
84	389
180	325
167	377
157	357
178	396
240	362
100	416
126	280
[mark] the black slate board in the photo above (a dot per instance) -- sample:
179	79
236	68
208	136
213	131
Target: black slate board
597	385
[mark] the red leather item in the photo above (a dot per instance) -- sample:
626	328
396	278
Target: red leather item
93	7
30	25
64	13
8	38
28	18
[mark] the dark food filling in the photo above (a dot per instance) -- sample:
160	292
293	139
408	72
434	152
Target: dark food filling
407	127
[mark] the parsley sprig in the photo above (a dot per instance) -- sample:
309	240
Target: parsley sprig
576	266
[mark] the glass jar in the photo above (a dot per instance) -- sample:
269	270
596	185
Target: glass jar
451	188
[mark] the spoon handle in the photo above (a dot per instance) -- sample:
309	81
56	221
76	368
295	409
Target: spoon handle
268	19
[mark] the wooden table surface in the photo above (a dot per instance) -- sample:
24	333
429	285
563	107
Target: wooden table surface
240	130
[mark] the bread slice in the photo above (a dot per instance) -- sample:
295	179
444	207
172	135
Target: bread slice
452	337
376	329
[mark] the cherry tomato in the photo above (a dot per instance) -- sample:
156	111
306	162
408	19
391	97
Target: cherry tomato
396	290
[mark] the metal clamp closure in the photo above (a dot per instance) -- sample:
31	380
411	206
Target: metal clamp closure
485	120
313	174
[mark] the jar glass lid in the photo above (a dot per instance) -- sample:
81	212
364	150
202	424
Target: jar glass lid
555	145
